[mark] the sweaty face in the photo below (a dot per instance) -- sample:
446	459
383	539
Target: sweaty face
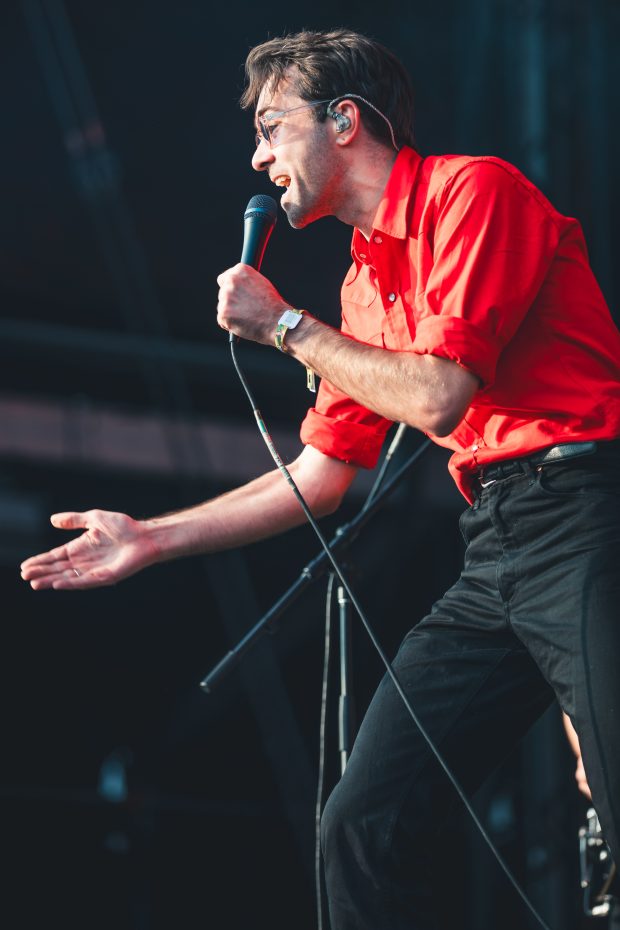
301	156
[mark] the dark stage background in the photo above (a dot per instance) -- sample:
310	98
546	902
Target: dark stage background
129	798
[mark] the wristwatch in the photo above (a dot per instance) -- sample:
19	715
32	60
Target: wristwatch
289	320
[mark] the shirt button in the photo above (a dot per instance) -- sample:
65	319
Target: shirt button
362	255
378	240
475	447
392	297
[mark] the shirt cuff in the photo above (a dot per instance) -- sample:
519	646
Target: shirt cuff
353	443
460	341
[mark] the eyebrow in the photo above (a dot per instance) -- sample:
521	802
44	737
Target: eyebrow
263	110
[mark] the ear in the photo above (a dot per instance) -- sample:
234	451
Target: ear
347	123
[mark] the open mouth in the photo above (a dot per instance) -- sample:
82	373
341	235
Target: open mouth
282	180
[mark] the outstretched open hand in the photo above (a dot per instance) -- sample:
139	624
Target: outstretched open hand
113	547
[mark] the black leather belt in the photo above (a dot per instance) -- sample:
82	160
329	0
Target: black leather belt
510	467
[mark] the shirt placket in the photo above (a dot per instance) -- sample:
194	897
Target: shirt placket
396	333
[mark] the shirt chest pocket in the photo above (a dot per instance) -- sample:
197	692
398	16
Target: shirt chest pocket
362	312
363	322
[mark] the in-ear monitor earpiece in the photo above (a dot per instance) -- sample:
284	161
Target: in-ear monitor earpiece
342	122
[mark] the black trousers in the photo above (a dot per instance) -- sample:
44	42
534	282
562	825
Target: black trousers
536	612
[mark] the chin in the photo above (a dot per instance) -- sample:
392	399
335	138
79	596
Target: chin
297	216
296	219
298	223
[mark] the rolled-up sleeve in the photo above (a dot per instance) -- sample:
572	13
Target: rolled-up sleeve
493	240
343	429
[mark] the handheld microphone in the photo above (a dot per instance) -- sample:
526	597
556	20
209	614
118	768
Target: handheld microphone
259	219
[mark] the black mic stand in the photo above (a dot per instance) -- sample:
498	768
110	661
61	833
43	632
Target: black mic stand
314	570
346	707
346	700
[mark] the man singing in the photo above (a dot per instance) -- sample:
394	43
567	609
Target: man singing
470	313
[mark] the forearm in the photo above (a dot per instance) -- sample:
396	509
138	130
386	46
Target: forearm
262	508
424	391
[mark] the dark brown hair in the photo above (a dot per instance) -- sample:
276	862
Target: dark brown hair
327	65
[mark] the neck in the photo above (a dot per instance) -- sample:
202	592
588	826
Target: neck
363	188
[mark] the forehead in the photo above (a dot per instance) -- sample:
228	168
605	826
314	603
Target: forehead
279	97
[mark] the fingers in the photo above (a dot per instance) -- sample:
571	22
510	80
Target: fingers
57	559
226	278
41	576
65	578
66	581
38	566
44	572
236	271
46	566
70	520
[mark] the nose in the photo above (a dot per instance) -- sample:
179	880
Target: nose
263	157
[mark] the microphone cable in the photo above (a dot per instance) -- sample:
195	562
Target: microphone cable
384	659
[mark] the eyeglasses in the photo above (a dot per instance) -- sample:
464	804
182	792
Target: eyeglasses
269	123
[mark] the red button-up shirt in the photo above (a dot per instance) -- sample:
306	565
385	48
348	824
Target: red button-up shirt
469	261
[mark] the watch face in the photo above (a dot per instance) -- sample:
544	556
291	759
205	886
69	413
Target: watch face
290	318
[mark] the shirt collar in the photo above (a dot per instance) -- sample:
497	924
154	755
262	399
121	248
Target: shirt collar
393	213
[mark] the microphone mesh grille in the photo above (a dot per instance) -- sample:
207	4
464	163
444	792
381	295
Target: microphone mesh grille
262	203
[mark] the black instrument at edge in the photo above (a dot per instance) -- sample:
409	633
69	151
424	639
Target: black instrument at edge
599	876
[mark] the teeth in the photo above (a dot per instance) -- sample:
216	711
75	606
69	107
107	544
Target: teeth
282	180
